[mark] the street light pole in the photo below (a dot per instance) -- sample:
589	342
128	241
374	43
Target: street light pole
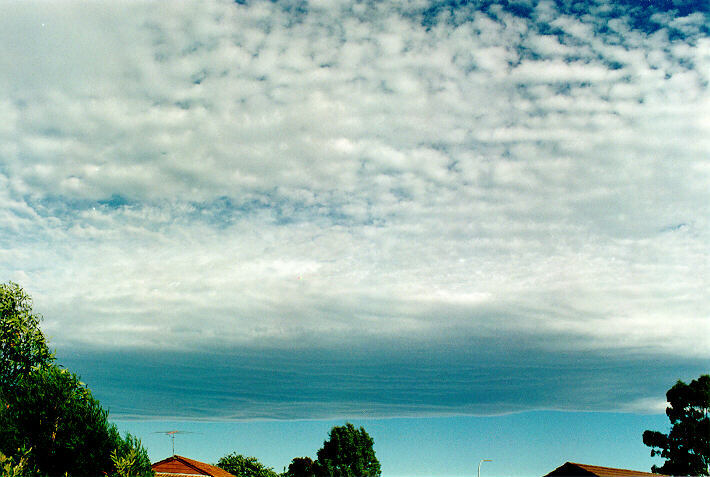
479	465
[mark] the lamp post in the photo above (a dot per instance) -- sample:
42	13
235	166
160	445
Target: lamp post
479	465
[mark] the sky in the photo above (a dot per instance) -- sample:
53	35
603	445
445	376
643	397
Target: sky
432	218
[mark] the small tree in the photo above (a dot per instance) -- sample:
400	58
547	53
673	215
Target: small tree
243	466
348	452
686	447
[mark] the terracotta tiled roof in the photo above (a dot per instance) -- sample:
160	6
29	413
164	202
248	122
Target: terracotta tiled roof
574	469
178	465
163	474
169	474
612	472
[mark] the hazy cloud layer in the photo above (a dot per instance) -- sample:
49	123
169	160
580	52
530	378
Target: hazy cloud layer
216	176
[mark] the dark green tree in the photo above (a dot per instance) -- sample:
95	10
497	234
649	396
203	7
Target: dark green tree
243	466
686	447
301	467
22	344
348	452
55	415
47	409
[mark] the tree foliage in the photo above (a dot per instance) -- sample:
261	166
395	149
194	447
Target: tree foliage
47	409
348	452
243	466
14	466
301	467
130	458
55	414
22	344
686	447
124	463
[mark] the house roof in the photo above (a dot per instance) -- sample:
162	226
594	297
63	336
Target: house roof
574	469
179	466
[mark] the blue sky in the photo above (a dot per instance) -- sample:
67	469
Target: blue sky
445	215
526	444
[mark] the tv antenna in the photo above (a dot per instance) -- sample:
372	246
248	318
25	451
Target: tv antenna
172	436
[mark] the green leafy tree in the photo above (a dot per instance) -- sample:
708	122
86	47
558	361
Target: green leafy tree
55	414
348	452
47	408
301	467
686	447
243	466
22	344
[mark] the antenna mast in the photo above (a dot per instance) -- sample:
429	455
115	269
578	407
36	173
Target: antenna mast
171	434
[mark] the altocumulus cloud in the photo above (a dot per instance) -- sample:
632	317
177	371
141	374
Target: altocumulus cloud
357	207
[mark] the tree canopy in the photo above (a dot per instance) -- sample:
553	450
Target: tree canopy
22	344
686	447
49	420
301	467
52	412
348	452
243	466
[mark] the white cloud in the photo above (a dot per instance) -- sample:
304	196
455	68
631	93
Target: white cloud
647	406
352	173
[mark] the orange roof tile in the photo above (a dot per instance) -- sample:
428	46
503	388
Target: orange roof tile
169	474
178	465
575	469
612	472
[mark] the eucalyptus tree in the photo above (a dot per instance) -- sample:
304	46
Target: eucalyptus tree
686	447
